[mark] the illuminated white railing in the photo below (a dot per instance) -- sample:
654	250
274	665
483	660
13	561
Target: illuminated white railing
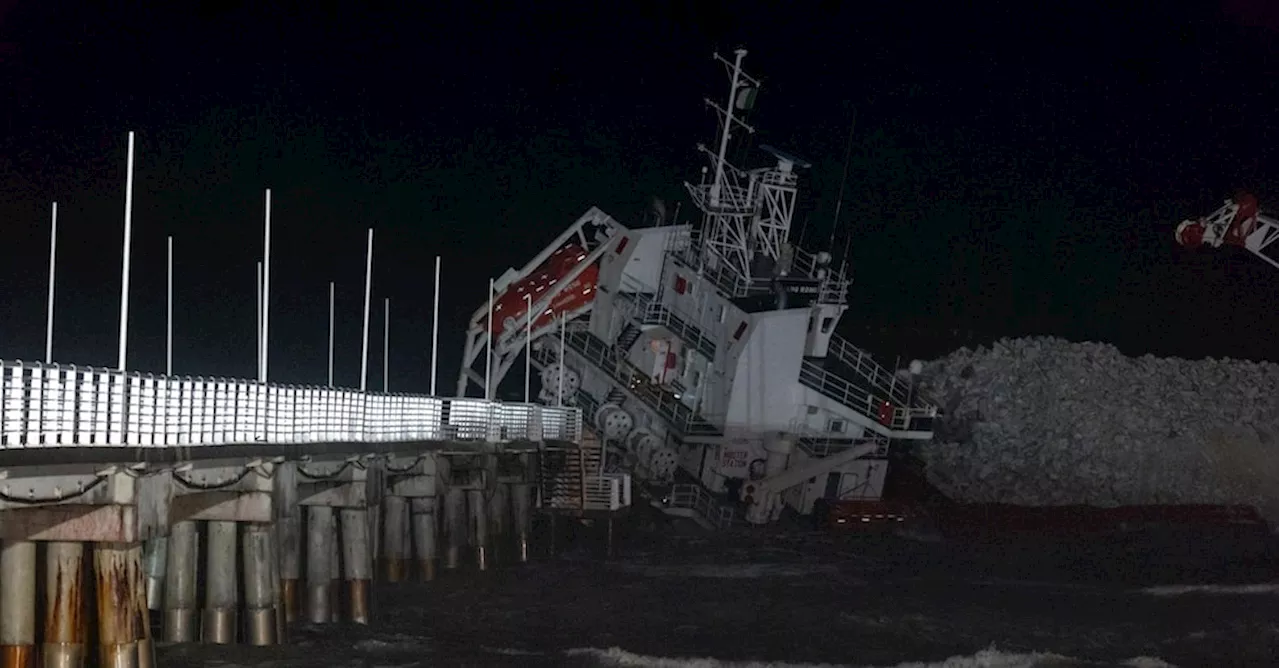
59	406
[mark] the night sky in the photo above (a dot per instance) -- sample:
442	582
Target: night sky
1015	170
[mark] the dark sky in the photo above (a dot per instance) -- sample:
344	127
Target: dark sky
1016	170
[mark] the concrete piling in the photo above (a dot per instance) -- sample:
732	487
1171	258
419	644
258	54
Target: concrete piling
479	527
289	532
221	592
155	556
356	562
423	511
65	628
118	584
146	647
259	594
17	604
180	600
335	574
393	544
521	497
499	521
277	595
319	555
455	527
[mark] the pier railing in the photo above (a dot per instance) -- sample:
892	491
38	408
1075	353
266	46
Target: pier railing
61	406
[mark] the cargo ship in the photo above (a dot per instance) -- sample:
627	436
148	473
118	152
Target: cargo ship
703	355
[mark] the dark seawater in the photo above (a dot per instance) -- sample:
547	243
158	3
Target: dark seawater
798	596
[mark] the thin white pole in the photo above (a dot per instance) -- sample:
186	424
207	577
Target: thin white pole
266	287
386	344
53	256
258	332
368	285
330	333
168	334
528	338
124	269
488	347
435	326
560	380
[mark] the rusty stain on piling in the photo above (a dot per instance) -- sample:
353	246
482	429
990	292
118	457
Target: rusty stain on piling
18	656
289	594
117	594
64	620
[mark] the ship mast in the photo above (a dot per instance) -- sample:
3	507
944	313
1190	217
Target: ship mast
737	79
727	202
746	214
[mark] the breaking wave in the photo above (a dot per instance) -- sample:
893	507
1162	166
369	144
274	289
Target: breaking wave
1179	590
988	658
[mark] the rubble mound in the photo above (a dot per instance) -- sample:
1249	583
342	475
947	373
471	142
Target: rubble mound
1043	421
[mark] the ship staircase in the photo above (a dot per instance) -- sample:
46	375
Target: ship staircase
572	479
629	380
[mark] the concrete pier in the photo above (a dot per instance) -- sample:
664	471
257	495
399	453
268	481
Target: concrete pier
319	555
17	604
180	599
423	511
118	579
454	525
394	522
259	593
221	590
356	562
226	544
521	498
65	623
479	527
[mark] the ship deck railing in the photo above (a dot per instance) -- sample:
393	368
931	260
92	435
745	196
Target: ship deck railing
864	401
696	499
688	248
645	309
819	445
883	381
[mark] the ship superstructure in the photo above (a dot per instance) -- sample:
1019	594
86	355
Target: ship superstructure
706	353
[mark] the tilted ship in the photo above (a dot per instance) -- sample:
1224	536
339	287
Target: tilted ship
704	356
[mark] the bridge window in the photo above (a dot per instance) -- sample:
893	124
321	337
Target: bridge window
836	426
828	324
742	329
682	285
622	245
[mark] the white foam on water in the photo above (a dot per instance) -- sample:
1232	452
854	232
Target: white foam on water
1220	590
509	651
729	571
988	658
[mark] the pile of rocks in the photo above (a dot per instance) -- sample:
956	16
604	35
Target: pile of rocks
1043	421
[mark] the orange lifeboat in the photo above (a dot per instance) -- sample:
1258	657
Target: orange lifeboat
509	307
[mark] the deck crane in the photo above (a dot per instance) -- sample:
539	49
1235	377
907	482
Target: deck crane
1237	223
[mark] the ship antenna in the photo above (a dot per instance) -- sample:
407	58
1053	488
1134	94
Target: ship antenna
848	152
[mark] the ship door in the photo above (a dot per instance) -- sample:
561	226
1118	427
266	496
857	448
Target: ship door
833	485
